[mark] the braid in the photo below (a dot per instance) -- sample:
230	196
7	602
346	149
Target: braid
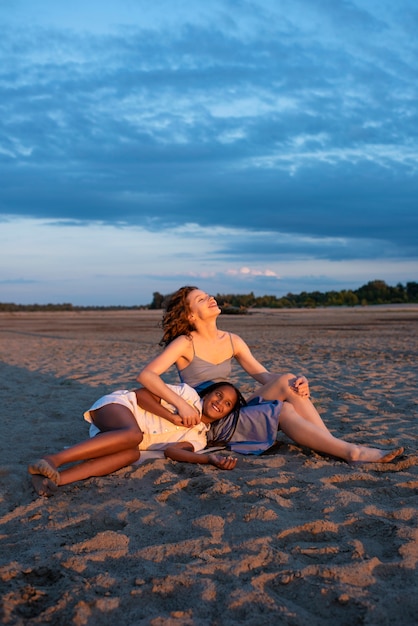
221	431
175	320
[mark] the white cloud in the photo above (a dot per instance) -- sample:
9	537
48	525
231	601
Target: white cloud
248	271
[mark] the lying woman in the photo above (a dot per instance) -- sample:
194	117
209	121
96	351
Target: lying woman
123	424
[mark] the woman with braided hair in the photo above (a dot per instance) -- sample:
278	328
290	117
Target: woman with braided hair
125	422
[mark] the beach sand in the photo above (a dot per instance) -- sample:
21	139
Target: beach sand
289	537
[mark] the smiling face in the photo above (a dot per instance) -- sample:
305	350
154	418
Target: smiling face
218	403
202	306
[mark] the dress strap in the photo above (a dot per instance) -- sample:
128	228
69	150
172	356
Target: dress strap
232	345
194	351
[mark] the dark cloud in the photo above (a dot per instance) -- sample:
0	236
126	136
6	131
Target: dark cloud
299	127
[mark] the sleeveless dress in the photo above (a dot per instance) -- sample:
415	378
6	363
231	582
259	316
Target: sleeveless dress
258	422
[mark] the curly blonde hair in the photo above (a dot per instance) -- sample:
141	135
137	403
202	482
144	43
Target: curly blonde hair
175	320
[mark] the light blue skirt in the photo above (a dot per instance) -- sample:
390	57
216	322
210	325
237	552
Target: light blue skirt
257	426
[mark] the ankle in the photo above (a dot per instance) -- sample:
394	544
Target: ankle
353	453
51	458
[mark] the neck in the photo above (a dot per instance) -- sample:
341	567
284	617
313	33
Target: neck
207	329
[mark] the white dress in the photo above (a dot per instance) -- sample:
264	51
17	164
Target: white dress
158	432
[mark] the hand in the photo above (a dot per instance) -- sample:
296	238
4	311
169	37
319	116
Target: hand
188	415
191	420
222	462
174	418
300	386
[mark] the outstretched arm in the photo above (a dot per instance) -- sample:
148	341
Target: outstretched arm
299	384
184	452
249	363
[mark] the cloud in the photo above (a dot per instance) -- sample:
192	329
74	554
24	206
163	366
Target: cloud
265	132
248	271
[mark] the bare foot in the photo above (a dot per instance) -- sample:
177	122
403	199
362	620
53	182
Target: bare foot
374	455
43	485
45	468
392	454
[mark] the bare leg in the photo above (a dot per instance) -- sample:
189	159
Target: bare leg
280	388
101	466
311	436
115	447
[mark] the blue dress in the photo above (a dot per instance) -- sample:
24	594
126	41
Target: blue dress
258	422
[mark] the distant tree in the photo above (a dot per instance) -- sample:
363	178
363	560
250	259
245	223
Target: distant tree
412	292
349	298
398	294
374	292
157	300
240	300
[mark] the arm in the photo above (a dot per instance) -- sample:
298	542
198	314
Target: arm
249	363
152	403
150	377
255	369
184	452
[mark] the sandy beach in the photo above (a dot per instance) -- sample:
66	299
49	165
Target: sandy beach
290	537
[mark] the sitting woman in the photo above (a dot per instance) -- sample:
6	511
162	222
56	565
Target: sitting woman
203	354
123	424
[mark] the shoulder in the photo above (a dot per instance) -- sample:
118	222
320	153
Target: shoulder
183	340
181	345
238	343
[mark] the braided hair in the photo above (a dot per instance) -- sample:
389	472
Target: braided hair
221	431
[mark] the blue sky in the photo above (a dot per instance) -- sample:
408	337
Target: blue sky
265	146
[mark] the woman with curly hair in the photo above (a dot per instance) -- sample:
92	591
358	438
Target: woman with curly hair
203	354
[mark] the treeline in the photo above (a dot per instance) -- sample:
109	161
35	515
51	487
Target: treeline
374	292
10	307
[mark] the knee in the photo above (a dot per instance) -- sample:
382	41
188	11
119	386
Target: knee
138	437
283	384
290	390
288	378
134	436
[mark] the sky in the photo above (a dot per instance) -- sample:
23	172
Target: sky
266	146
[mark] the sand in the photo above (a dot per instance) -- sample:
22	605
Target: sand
289	537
